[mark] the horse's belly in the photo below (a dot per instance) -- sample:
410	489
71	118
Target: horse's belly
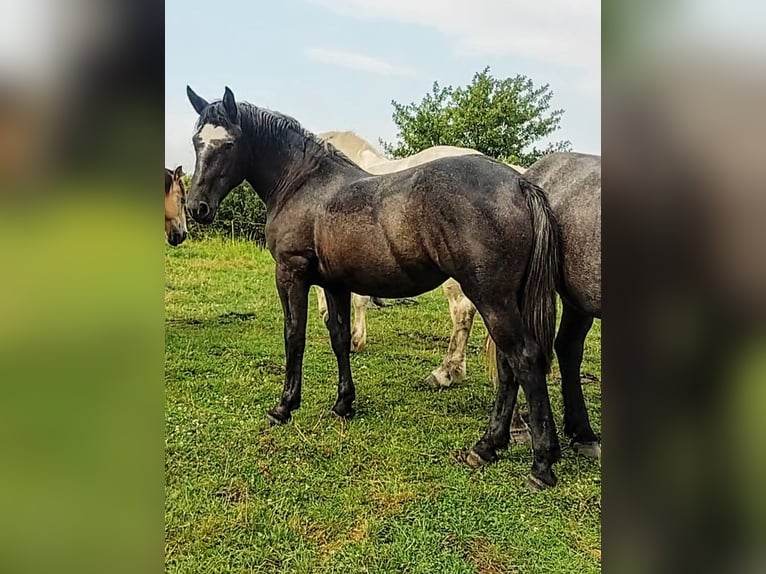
395	287
379	274
374	251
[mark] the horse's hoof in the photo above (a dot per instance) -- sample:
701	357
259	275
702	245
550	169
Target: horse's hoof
277	416
589	449
536	485
474	460
357	345
541	480
345	413
437	383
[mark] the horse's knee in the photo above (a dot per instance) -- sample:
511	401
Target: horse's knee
463	315
359	302
524	355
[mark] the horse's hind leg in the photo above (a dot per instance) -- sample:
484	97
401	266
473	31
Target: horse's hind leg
497	435
463	313
519	429
569	344
339	325
526	364
359	331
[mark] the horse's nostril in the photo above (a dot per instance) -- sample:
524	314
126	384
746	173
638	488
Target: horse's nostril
203	209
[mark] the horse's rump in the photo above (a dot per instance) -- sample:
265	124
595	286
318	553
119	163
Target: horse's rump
573	184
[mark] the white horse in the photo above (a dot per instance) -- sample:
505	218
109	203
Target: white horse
461	309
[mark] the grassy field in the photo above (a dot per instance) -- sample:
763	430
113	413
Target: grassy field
378	494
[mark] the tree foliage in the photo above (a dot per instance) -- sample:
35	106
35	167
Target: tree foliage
502	118
241	215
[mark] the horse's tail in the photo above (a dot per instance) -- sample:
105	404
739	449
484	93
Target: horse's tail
538	299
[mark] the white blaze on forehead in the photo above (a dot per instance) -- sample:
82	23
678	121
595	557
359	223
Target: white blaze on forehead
211	135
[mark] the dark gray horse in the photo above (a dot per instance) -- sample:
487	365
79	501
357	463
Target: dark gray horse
332	224
572	182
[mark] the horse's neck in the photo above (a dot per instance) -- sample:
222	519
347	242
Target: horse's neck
368	158
279	168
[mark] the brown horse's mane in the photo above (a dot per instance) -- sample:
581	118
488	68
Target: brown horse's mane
350	141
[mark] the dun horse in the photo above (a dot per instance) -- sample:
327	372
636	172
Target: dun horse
175	212
332	224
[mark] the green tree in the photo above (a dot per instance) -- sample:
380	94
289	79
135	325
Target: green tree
503	119
241	215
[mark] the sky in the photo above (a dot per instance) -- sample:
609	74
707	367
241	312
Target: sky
337	64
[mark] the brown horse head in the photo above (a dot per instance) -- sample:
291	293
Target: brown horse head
175	207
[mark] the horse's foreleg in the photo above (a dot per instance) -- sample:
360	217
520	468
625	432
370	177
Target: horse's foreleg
322	304
338	324
359	332
569	344
293	293
462	311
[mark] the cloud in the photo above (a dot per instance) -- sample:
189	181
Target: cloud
563	32
360	62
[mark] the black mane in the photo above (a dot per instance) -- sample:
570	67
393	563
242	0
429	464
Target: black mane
269	123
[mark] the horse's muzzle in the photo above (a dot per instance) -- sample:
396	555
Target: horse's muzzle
203	212
176	238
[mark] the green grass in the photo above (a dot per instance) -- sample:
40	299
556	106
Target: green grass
378	494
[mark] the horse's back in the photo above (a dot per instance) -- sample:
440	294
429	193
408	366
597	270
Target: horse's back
572	182
458	204
563	174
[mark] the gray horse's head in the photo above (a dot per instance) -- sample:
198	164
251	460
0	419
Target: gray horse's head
220	152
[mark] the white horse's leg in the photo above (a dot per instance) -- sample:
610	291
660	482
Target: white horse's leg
322	304
462	312
359	330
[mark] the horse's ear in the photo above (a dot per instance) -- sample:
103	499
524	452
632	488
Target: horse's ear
179	171
197	102
230	105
